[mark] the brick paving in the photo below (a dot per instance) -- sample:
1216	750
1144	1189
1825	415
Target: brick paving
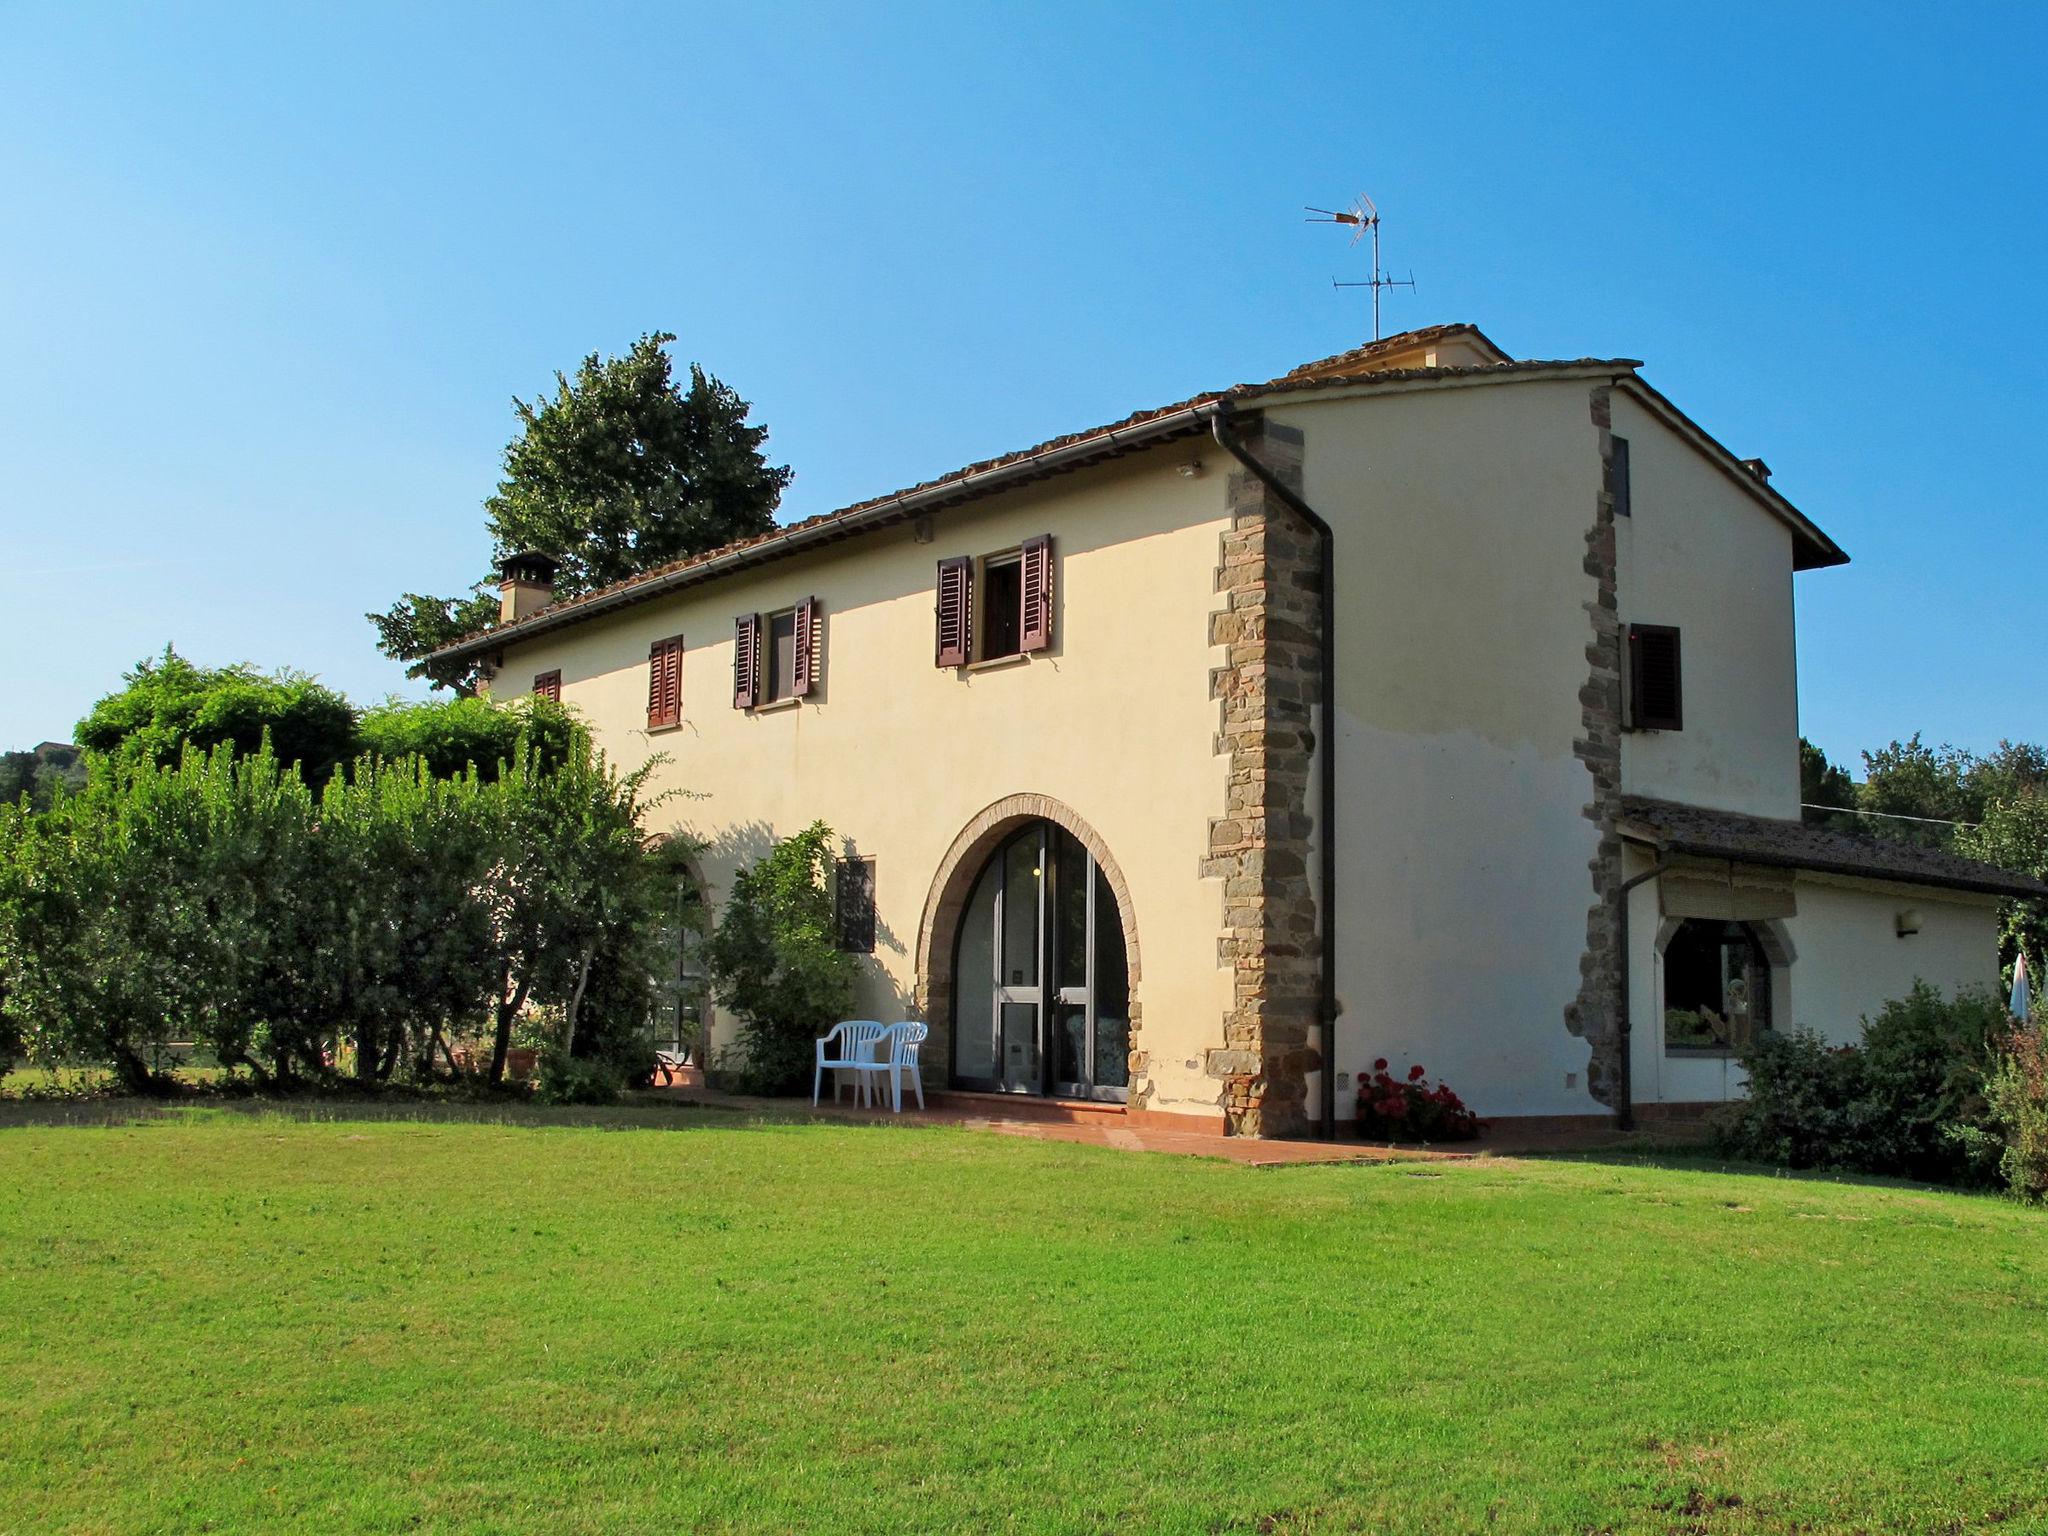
1105	1127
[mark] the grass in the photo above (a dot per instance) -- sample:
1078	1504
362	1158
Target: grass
231	1320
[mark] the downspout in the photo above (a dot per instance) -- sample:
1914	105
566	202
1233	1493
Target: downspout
1625	1090
1326	1004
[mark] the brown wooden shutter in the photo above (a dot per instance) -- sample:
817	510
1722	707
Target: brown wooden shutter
746	661
1035	630
806	647
1655	691
548	685
665	683
955	611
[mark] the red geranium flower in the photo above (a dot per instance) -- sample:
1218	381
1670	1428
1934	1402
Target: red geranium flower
1380	1065
1414	1074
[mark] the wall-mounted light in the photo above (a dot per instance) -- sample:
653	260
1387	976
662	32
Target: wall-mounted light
1192	468
1908	922
921	530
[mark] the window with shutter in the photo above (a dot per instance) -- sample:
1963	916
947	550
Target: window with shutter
1617	470
1035	596
665	684
855	906
1655	693
778	657
548	685
746	660
806	664
955	611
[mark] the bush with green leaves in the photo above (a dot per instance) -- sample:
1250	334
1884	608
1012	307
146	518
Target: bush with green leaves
2016	1114
454	735
168	704
776	962
1892	1104
219	901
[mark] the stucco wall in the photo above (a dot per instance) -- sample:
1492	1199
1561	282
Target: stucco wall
1462	881
1699	553
1116	722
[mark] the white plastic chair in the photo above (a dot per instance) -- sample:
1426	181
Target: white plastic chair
858	1039
901	1043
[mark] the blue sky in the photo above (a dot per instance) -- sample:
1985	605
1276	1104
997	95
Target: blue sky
270	276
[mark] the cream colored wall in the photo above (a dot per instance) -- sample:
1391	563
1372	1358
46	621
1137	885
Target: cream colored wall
1852	960
1848	961
1462	852
897	755
1699	553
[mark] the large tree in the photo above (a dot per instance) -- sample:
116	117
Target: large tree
619	471
168	703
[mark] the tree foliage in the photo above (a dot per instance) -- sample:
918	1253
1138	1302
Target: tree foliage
1823	788
416	626
776	962
36	777
619	471
218	900
168	704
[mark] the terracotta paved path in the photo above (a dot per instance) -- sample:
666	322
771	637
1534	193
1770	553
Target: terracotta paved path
1109	1130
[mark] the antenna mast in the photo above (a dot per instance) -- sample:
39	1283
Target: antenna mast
1364	218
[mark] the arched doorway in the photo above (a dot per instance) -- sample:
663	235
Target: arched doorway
1040	974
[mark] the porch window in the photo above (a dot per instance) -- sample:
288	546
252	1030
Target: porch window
1717	988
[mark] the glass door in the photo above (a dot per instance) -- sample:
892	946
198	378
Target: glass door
1041	986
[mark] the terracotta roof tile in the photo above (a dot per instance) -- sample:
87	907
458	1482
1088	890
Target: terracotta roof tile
1776	843
1322	374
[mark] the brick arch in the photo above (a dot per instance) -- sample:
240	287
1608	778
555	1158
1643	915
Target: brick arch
953	883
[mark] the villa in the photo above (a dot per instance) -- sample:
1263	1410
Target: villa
1422	703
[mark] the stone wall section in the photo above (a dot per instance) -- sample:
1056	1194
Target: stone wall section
1595	1014
1262	845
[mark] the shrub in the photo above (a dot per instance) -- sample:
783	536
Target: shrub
1409	1109
776	962
1893	1104
219	901
567	1079
1805	1107
456	735
2016	1094
169	704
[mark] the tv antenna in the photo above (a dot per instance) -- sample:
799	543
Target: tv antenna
1364	218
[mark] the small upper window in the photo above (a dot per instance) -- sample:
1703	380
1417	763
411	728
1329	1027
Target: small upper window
778	669
665	684
1655	697
995	606
1617	469
548	685
775	656
1001	631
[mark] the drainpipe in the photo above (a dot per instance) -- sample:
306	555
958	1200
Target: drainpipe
1625	1101
1326	1004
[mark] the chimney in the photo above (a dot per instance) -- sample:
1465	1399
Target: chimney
526	584
1758	468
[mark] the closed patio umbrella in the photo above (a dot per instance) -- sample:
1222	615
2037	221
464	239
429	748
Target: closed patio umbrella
2018	1004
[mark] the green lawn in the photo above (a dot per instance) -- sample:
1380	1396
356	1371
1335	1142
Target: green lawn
225	1320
